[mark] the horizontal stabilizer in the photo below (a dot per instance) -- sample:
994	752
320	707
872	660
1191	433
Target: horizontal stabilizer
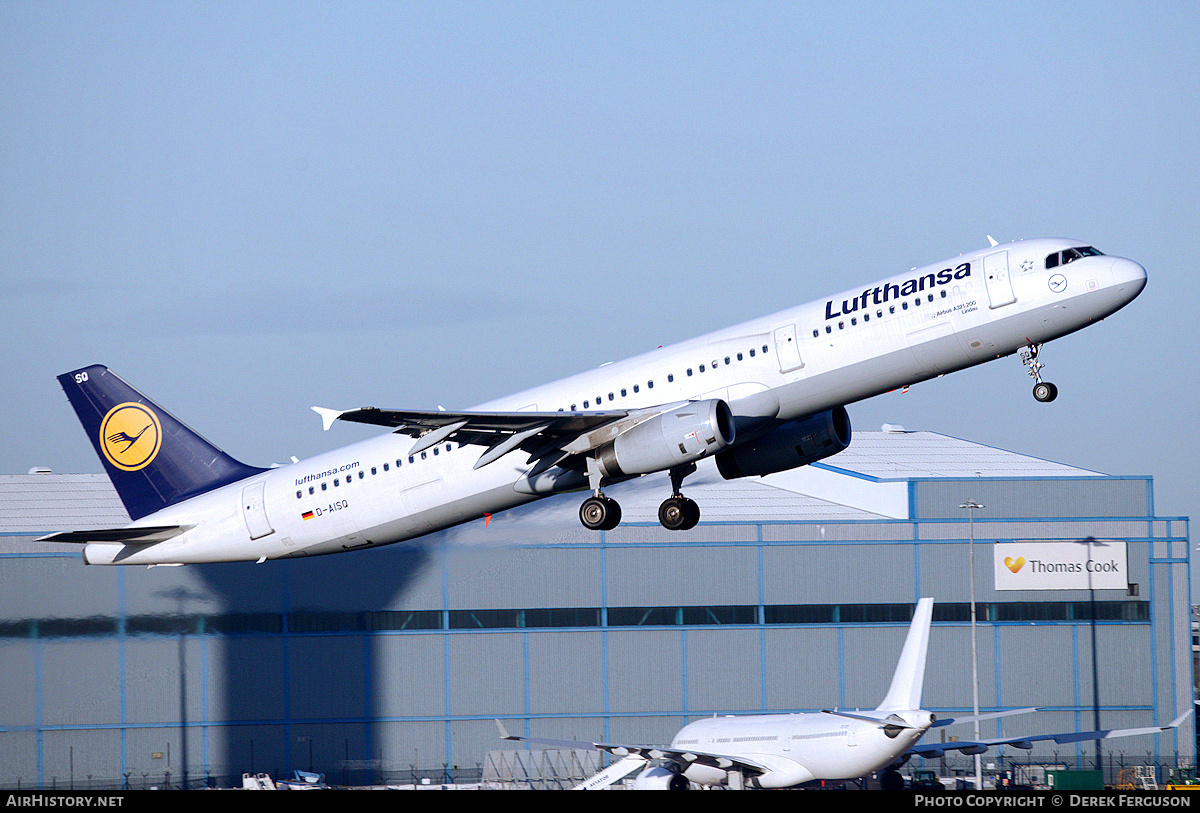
891	721
130	536
970	718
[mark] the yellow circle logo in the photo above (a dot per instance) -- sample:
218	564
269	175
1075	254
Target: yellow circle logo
130	436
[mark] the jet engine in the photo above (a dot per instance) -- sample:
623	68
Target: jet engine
789	445
672	438
659	777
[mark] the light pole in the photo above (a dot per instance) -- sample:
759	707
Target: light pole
971	506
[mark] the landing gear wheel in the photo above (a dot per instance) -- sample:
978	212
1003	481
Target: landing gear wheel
1045	392
678	513
600	513
891	780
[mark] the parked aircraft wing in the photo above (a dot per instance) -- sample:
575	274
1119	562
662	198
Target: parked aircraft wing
650	752
934	750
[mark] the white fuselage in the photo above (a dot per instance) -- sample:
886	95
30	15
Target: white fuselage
798	748
794	363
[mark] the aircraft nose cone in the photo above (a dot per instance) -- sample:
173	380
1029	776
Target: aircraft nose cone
1128	276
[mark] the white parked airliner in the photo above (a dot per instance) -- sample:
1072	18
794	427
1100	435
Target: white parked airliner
785	750
761	397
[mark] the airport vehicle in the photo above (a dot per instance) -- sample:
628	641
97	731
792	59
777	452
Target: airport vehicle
760	397
785	750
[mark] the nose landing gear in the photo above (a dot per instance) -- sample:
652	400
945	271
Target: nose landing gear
1043	391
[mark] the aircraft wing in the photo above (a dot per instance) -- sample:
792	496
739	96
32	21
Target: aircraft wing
649	752
552	435
934	750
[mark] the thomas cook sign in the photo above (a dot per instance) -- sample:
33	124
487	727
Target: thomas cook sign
1088	564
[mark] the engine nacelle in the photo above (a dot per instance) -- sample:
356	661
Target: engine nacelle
657	777
788	446
677	436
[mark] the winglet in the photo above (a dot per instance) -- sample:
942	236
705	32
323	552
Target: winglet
328	416
909	678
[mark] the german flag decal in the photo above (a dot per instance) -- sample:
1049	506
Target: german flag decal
307	515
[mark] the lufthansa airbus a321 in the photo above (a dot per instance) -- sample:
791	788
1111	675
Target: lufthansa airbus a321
759	397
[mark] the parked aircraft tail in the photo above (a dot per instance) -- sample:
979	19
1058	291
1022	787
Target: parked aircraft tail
152	458
909	678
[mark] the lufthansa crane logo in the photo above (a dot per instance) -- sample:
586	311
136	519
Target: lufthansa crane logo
130	436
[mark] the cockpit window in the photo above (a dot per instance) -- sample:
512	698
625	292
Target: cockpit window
1071	254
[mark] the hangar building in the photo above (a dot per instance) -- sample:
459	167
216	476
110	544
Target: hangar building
793	594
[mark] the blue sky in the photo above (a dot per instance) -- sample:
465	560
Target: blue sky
246	209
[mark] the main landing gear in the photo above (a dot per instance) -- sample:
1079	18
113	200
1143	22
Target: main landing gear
677	512
1043	391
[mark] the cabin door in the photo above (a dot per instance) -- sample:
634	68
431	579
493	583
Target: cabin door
997	280
787	349
254	510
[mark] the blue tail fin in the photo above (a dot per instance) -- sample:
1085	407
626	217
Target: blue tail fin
152	459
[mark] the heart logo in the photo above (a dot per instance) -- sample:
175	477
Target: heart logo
1014	564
